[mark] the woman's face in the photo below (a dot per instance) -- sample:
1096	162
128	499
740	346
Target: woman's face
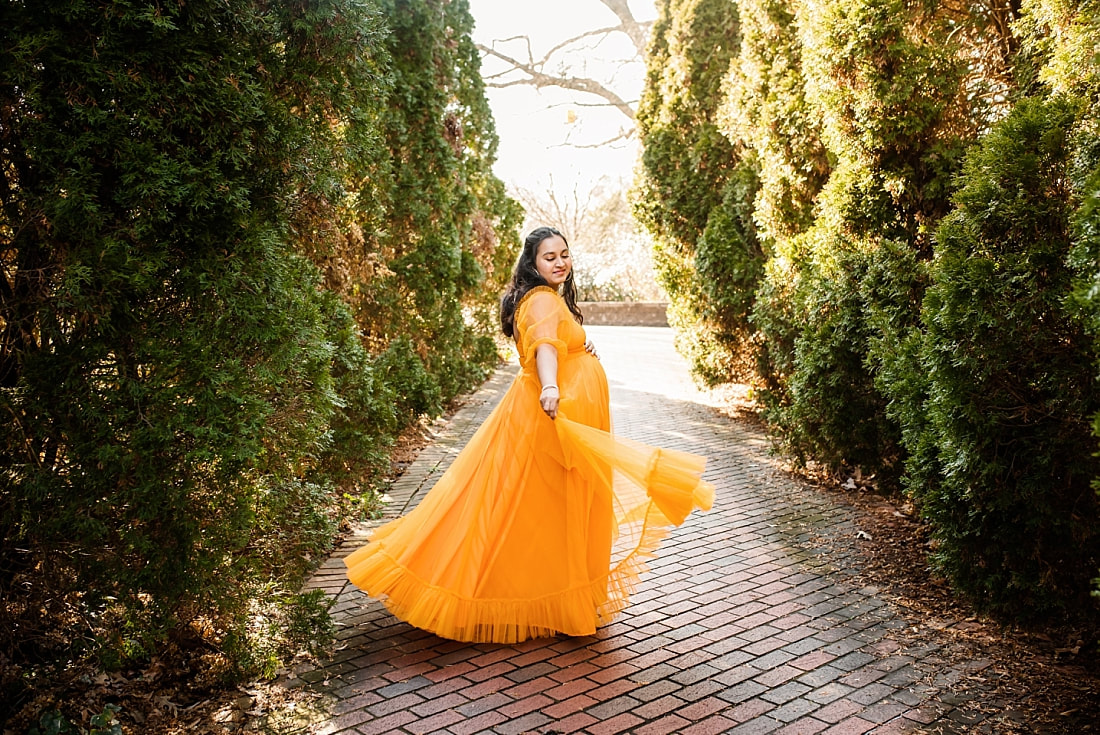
552	260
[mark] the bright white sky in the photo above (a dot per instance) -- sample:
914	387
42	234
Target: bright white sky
533	125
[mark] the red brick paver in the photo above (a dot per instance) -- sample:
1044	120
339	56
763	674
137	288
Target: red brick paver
750	619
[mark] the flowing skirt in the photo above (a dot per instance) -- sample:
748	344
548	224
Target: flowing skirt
539	526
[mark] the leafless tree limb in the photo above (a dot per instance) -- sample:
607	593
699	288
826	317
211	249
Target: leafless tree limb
568	42
532	72
587	104
539	79
637	32
623	135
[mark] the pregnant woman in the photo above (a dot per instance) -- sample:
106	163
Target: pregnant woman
543	522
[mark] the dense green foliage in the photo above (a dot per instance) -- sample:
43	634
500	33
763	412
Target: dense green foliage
1073	68
892	150
1009	376
765	82
696	188
917	319
243	245
443	212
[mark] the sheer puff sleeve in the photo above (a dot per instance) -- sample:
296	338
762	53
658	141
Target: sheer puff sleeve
541	319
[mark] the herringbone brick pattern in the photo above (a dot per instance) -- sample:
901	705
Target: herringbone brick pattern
749	621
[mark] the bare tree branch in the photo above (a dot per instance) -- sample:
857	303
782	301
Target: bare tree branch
604	32
623	135
532	72
587	104
539	79
575	39
638	32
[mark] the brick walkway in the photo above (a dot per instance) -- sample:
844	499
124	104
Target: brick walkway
750	620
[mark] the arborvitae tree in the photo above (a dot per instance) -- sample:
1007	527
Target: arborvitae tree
166	361
1065	38
765	109
885	80
181	389
1061	37
962	349
334	78
1085	261
695	189
1010	380
442	244
423	238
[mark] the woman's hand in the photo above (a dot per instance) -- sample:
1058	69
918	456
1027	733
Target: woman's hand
549	399
590	348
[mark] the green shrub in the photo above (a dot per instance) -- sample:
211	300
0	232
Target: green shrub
883	79
729	260
1085	256
281	627
695	189
437	225
822	314
378	397
764	108
830	409
711	291
775	318
893	289
170	367
1010	387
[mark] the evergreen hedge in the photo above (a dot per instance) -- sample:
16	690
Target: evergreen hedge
956	361
163	344
199	202
1010	384
1085	261
695	188
445	231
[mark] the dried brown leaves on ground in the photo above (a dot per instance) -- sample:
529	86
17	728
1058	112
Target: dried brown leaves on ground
1002	677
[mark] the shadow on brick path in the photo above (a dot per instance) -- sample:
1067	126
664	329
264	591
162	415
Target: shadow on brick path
749	621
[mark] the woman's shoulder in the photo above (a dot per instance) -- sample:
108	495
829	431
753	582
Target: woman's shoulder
541	295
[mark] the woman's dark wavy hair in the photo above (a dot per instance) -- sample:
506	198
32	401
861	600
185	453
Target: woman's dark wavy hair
526	277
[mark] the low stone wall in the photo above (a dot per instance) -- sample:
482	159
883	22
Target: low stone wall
624	313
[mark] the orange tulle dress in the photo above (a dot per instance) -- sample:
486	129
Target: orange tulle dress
539	526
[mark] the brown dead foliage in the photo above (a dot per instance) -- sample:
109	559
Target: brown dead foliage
998	676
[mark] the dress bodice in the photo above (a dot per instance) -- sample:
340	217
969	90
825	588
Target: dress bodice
543	318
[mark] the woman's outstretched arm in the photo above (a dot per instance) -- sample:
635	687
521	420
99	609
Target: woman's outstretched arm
546	363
